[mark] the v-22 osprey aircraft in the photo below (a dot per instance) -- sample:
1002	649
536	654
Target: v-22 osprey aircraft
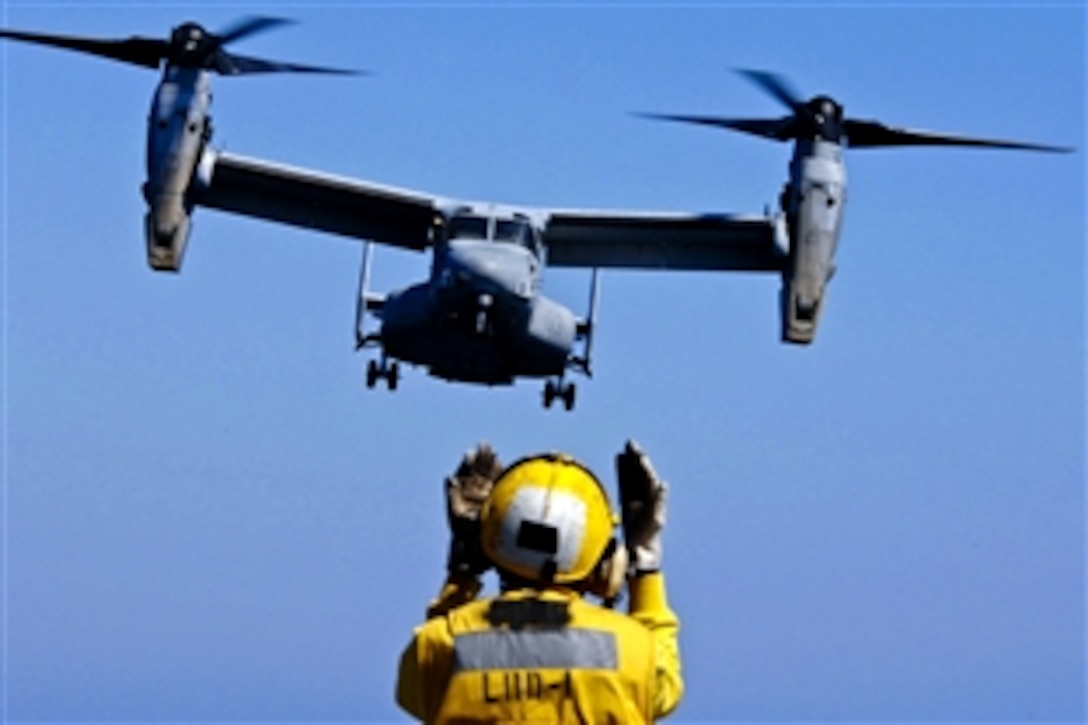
480	317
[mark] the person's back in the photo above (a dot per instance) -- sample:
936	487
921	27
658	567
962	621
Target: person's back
531	656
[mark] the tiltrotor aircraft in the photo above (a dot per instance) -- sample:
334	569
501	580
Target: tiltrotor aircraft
480	316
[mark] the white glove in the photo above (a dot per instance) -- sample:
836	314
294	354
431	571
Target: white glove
642	504
466	491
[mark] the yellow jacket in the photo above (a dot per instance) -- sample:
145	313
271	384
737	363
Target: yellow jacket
543	656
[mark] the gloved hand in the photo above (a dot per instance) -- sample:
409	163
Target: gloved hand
466	491
642	506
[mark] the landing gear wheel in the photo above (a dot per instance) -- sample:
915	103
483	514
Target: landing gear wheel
549	393
383	370
568	396
558	389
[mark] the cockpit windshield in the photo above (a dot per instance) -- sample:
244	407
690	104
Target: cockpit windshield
517	231
467	227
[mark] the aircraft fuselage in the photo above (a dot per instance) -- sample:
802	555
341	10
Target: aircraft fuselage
480	316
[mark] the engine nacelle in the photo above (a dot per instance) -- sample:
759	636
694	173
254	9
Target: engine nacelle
814	236
178	129
804	286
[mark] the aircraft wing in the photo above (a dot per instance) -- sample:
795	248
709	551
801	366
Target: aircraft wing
314	200
403	218
648	240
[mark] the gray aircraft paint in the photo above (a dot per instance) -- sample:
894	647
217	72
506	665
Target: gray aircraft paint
480	316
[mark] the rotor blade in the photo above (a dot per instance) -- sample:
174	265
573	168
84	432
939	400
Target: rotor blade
778	129
870	134
247	26
229	64
774	85
139	51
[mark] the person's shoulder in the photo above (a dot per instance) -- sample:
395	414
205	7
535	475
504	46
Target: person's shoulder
470	614
594	615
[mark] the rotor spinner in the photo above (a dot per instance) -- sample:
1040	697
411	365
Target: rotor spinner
825	117
190	45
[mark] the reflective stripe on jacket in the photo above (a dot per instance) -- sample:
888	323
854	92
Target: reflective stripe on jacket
545	657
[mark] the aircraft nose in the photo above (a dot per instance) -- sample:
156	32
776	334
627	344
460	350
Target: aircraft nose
490	267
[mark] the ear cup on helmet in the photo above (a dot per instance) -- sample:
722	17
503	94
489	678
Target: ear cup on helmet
610	573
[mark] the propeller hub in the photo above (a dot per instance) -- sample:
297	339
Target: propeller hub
190	45
825	116
187	34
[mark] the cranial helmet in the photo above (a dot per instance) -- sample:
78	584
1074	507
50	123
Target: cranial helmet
548	520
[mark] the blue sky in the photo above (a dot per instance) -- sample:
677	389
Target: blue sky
208	517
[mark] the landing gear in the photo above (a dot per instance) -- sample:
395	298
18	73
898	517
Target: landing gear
558	389
375	371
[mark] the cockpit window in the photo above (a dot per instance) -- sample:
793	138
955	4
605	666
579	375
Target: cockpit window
517	231
467	227
509	231
506	231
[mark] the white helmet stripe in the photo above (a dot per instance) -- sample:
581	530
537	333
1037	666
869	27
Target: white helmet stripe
543	506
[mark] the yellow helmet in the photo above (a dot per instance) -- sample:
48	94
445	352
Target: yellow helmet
547	519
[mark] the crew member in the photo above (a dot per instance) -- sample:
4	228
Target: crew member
539	651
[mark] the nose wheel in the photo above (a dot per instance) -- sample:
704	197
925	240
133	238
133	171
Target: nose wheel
559	389
375	371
